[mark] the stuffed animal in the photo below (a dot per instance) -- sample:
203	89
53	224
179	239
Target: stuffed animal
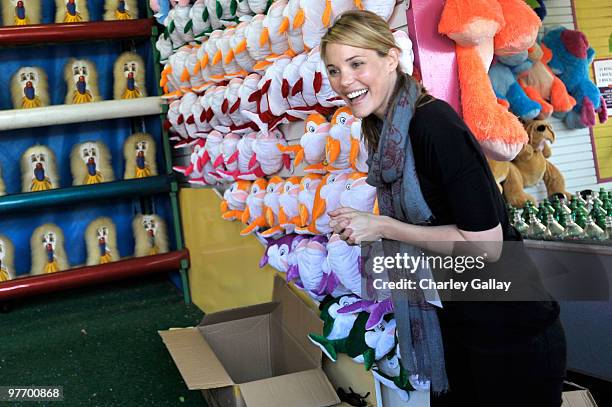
481	28
339	142
358	194
101	241
221	113
253	215
291	26
273	106
29	88
20	12
571	59
139	154
272	207
306	197
344	261
272	32
150	235
120	9
182	22
541	84
177	120
81	81
327	199
231	106
312	144
288	214
316	88
238	43
230	65
280	254
2	186
248	167
38	169
129	73
7	253
47	246
213	59
259	6
267	153
90	163
71	11
508	90
257	50
311	262
213	150
530	167
229	152
315	17
199	171
199	19
234	200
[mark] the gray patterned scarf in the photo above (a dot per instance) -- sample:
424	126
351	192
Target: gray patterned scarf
393	173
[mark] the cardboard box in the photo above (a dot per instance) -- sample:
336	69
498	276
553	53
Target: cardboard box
580	397
255	356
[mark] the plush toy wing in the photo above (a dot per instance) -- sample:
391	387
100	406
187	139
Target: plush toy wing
20	12
71	11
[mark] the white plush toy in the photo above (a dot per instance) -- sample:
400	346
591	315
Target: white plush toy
238	43
358	194
171	30
313	142
248	167
234	200
38	169
220	110
272	207
29	88
71	11
150	235
232	102
292	27
47	247
229	151
327	199
182	22
259	6
177	121
20	12
199	19
213	149
315	17
267	153
101	241
120	9
253	215
139	154
211	14
90	163
213	58
230	64
81	78
344	261
200	120
185	109
194	67
272	33
129	74
259	51
7	253
289	215
164	46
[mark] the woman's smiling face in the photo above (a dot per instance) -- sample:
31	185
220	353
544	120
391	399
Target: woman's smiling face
361	77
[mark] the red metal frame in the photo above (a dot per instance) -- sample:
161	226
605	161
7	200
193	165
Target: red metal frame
82	276
66	32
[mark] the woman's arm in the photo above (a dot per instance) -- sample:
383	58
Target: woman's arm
356	227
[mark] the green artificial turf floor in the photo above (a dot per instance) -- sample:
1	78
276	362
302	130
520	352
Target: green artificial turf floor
100	343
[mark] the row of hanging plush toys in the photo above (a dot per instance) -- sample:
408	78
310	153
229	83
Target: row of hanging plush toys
49	255
29	85
290	25
90	163
25	12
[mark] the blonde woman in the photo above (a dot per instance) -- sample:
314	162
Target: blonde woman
434	185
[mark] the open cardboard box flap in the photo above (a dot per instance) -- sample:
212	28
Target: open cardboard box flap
262	349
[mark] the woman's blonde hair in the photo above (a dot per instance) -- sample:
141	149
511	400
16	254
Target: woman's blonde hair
367	30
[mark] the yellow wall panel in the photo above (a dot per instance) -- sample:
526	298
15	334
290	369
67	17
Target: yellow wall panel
224	269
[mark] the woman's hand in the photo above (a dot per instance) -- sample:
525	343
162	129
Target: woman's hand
354	226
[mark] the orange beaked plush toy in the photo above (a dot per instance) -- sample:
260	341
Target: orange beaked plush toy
482	28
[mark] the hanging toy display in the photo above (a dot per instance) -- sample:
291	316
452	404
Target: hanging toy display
150	235
90	163
29	88
129	73
48	253
139	153
38	169
120	9
81	81
20	12
71	11
101	241
7	251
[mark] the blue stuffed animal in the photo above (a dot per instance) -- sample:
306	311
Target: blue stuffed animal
508	90
571	57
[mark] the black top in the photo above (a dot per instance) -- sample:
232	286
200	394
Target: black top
460	189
